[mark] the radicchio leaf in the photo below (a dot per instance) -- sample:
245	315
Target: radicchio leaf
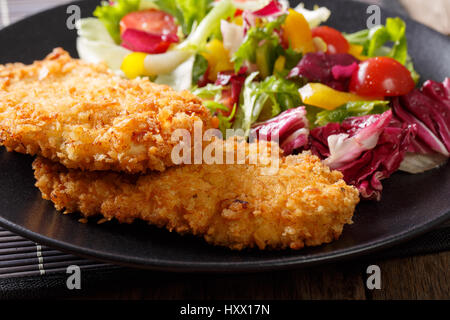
317	67
360	134
273	9
290	128
438	91
344	72
235	81
429	109
365	149
426	139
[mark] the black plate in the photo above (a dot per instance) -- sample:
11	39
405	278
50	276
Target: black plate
411	205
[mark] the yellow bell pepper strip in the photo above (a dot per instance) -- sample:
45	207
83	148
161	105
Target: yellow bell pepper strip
297	33
164	63
280	63
238	21
133	65
322	96
218	58
142	64
356	51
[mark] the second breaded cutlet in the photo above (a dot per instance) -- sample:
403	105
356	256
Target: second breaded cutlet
302	204
86	117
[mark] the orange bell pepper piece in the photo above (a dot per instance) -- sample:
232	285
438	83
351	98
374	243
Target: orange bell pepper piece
297	33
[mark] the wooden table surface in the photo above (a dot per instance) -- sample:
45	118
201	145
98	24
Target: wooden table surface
422	277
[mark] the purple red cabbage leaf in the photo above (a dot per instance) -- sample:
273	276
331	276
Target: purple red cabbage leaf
365	149
429	109
290	129
319	67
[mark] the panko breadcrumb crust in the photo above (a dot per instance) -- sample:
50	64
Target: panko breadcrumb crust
237	206
86	117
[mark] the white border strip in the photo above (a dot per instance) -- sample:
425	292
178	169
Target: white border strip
4	12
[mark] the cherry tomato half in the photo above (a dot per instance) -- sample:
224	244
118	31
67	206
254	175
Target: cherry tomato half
333	38
152	21
381	76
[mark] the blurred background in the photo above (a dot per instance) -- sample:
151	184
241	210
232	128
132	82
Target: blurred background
433	13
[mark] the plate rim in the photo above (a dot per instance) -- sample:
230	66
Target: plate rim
341	255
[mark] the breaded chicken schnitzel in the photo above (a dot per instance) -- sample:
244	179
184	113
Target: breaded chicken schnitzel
237	206
85	117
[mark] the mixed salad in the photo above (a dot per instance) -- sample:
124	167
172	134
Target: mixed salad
267	69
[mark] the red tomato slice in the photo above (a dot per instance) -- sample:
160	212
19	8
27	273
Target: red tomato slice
140	41
333	38
152	21
381	76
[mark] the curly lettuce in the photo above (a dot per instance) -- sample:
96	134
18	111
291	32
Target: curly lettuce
187	12
209	92
199	69
259	46
225	122
351	109
265	100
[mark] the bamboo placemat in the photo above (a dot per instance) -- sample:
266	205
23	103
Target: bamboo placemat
20	257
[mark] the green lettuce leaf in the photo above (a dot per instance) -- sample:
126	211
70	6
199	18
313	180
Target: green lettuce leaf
165	63
410	66
209	92
209	24
375	42
110	15
360	37
212	95
311	115
193	12
351	109
395	32
265	100
199	69
260	46
224	122
292	59
283	95
187	12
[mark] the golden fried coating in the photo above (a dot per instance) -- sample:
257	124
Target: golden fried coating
85	117
237	206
